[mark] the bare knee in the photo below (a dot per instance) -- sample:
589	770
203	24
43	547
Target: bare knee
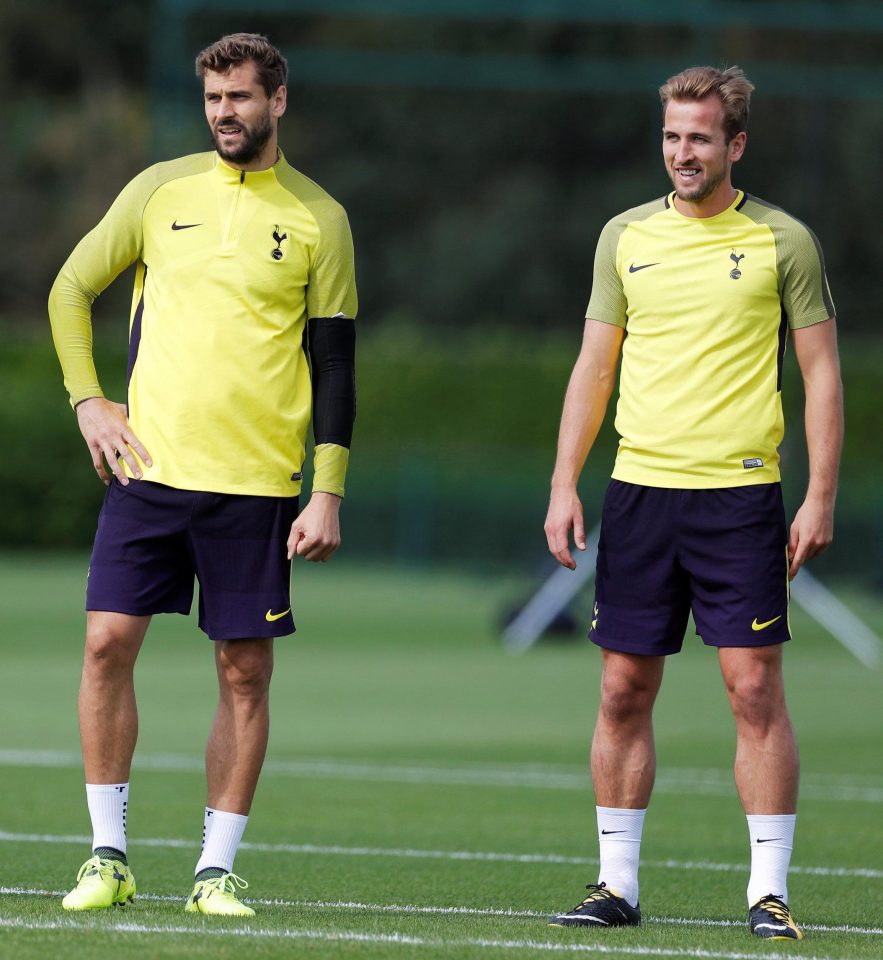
245	668
629	688
112	644
757	698
621	703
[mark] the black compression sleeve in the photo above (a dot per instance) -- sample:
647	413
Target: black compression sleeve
331	343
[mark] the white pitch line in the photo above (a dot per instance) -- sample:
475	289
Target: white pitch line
672	780
413	909
465	855
355	936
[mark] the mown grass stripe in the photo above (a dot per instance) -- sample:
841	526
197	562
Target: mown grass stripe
417	909
674	781
354	936
466	855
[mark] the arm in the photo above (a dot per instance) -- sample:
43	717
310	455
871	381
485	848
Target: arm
585	404
99	257
315	534
331	343
813	528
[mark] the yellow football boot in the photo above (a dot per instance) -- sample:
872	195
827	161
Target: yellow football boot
217	896
101	883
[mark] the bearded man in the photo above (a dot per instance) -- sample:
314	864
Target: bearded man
241	326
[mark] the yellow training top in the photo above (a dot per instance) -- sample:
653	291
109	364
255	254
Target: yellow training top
230	266
706	305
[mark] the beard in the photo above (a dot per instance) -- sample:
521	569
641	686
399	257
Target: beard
254	139
702	191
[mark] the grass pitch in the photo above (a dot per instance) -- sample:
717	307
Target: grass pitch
425	794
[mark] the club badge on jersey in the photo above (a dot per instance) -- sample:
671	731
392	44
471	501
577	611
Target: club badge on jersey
277	254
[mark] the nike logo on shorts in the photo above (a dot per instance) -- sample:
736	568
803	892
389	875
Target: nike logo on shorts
755	626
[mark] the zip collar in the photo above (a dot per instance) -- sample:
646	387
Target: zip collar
233	176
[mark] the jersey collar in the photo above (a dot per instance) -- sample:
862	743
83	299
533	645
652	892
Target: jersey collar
735	205
232	175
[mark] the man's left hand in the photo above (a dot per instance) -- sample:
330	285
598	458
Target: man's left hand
315	534
811	532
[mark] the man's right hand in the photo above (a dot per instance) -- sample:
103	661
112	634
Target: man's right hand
108	435
565	514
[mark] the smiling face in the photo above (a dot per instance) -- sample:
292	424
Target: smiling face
242	118
698	157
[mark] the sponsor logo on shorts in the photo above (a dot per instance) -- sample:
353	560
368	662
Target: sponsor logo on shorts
752	462
276	616
755	626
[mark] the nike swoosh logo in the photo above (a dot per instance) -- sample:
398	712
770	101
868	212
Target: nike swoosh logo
605	832
643	266
184	226
762	626
768	839
276	616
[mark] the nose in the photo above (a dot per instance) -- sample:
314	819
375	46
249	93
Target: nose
684	152
225	106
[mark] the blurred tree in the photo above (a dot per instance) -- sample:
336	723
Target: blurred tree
475	198
75	131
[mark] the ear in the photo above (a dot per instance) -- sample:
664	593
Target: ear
736	147
279	102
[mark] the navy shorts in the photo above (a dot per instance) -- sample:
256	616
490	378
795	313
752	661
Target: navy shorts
152	541
721	553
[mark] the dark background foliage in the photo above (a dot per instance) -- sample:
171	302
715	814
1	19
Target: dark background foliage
478	150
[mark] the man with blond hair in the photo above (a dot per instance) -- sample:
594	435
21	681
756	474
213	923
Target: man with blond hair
698	291
242	323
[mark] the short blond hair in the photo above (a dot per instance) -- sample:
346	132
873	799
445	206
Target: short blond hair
730	86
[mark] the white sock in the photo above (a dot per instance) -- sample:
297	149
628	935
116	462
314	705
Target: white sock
206	825
221	834
108	803
619	839
771	837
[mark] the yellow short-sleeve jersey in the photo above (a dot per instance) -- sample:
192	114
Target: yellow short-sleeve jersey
706	305
230	266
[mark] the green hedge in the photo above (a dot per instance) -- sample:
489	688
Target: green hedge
454	444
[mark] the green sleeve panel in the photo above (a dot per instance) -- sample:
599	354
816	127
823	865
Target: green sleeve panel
803	285
114	244
608	302
331	290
